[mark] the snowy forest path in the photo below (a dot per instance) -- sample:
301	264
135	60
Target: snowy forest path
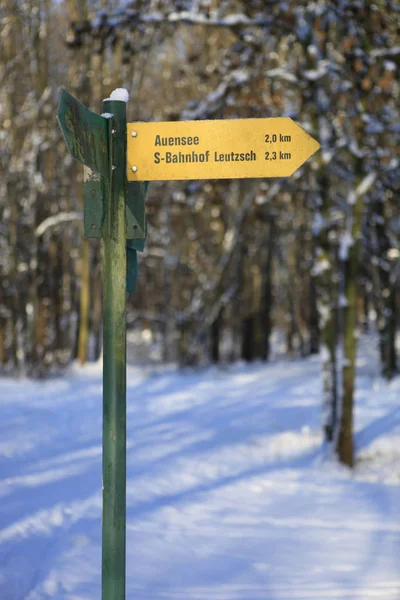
229	495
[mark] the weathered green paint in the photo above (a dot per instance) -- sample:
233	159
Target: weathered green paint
138	244
136	230
114	367
116	157
132	269
135	213
85	132
93	213
132	266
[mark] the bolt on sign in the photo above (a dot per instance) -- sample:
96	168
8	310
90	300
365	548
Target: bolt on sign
237	148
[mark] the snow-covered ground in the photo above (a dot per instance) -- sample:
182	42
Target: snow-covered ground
229	494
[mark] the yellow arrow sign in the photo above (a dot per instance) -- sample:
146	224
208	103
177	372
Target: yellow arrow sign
227	149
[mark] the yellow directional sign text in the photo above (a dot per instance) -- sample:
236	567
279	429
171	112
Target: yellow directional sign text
224	149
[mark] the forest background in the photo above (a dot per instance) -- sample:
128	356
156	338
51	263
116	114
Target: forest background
314	257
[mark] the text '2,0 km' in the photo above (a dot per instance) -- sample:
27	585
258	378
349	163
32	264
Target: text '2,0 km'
237	148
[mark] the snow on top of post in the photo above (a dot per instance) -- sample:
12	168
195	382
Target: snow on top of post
119	94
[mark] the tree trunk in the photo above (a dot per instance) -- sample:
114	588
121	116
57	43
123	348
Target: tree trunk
329	373
216	338
385	294
350	255
314	333
326	288
266	298
247	353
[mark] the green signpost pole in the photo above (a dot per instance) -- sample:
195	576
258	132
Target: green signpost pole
113	210
114	363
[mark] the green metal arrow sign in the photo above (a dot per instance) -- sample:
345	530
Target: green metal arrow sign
136	230
89	139
85	132
135	213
